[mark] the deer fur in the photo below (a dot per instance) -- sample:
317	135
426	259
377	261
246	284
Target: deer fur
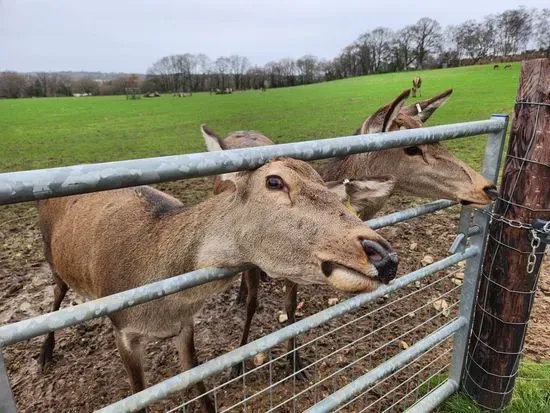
367	194
102	243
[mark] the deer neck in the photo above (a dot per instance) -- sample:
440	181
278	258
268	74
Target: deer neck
199	236
350	167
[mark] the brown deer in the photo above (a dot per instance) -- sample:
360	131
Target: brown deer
508	66
417	84
426	170
495	67
280	218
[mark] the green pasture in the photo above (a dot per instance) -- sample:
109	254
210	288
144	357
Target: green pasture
37	133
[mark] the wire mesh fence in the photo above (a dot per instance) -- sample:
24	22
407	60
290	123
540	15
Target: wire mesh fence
338	352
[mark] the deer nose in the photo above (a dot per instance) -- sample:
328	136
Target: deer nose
383	257
491	191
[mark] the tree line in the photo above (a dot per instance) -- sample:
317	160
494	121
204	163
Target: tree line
424	44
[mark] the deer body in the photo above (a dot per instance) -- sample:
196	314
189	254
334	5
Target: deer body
417	85
280	218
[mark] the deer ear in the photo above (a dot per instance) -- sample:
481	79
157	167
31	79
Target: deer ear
382	119
423	110
211	139
366	196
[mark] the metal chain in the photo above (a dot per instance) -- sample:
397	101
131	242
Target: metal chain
532	260
535	239
514	223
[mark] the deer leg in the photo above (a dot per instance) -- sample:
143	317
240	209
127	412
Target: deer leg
291	303
243	291
59	291
252	278
185	343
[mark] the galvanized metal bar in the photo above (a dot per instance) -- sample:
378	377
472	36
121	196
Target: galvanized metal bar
184	380
434	398
472	270
7	403
389	366
409	213
47	183
67	317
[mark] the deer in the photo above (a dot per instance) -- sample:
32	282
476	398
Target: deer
280	218
508	66
495	67
417	84
427	171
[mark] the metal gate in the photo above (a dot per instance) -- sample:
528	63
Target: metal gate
448	355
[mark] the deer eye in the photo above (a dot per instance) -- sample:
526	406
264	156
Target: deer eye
275	182
413	151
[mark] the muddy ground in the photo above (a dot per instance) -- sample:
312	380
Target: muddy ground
87	373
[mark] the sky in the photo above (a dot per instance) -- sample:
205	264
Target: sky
128	36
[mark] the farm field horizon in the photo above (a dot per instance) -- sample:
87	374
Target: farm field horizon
49	132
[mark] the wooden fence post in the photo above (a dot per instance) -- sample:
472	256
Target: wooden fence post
507	288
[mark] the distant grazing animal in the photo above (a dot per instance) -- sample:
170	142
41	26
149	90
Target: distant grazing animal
417	84
508	66
425	170
280	218
495	67
152	95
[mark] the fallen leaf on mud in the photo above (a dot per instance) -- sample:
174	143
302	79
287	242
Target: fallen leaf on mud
333	301
441	305
417	284
457	282
282	317
403	345
413	246
300	306
259	359
461	264
411	314
427	260
459	275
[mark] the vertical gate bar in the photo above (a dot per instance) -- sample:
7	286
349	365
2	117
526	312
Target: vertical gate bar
472	270
7	404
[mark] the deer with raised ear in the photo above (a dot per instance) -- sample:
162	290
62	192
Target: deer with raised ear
417	84
280	218
439	175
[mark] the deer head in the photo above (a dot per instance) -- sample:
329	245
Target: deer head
292	226
428	170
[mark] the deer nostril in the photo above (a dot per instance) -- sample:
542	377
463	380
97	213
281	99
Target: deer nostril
384	259
491	191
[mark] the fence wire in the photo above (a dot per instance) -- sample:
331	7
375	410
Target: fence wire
338	353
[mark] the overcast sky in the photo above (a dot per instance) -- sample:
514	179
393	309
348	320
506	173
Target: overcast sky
128	36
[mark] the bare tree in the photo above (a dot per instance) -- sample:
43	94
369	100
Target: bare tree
404	46
380	39
514	30
542	31
238	67
222	66
473	40
427	37
12	85
307	67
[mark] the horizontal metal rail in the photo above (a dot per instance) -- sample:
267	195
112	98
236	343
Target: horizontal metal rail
409	213
188	378
386	368
434	398
47	183
77	314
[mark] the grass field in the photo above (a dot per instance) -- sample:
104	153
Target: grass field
36	133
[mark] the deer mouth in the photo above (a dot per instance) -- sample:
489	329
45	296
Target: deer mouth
473	204
349	279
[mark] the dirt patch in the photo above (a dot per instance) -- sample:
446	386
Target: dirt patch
87	373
